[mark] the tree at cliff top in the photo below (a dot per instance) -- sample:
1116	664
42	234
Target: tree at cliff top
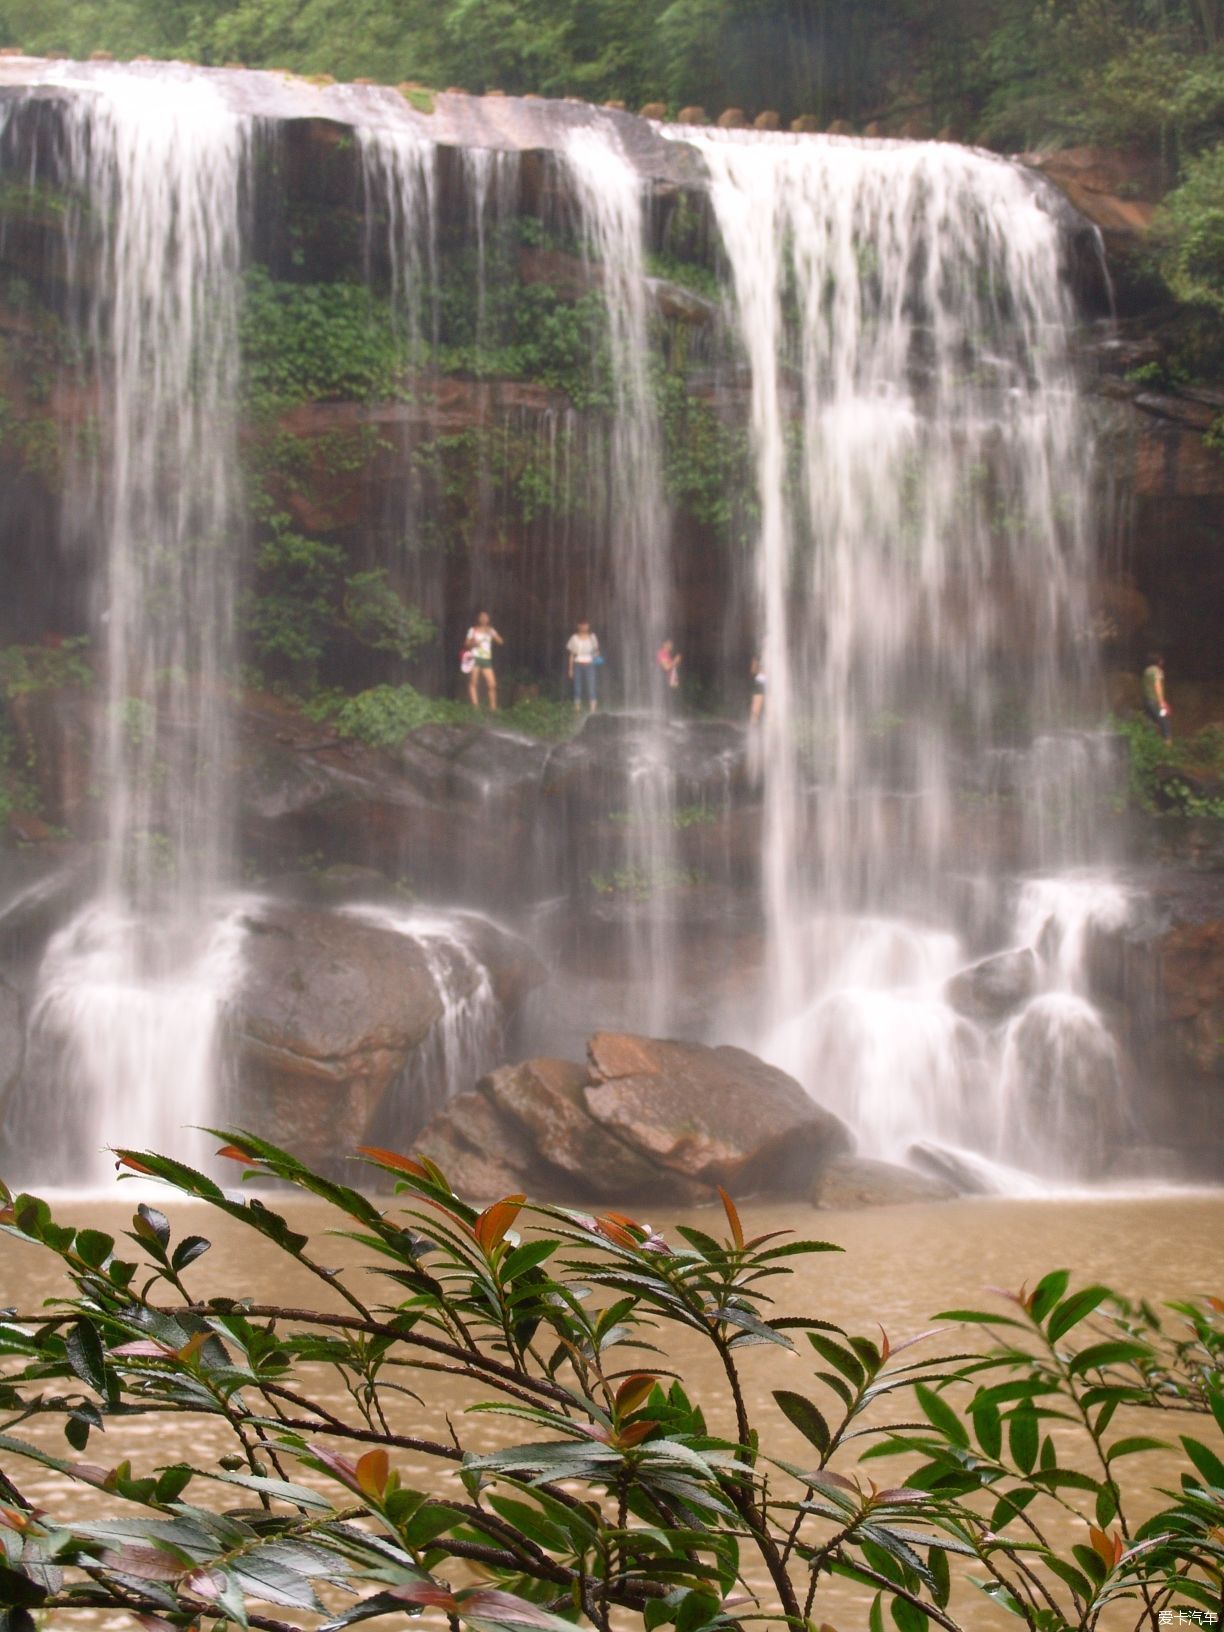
1014	71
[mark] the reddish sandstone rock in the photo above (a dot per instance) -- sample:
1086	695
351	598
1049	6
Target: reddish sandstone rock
545	1100
719	1115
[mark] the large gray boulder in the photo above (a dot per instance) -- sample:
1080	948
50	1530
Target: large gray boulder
996	987
547	1102
332	1008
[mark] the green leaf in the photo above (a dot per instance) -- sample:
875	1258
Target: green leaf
1119	1351
988	1426
1206	1461
845	1360
1091	1562
1047	1293
908	1617
938	1412
1074	1309
1132	1446
94	1246
1022	1434
941	1576
980	1317
1068	1573
86	1355
806	1417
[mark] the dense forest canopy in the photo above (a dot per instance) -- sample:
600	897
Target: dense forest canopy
1014	73
1010	74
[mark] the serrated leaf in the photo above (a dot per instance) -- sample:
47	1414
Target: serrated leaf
806	1417
938	1412
86	1355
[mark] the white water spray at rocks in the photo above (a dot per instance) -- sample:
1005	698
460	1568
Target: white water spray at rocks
466	1040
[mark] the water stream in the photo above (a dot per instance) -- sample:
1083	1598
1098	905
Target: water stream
924	471
130	992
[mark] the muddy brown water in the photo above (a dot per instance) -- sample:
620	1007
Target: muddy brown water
900	1265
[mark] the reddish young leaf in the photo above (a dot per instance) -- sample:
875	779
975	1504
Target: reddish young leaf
427	1595
634	1434
372	1471
389	1158
237	1154
493	1223
733	1218
612	1227
634	1391
125	1158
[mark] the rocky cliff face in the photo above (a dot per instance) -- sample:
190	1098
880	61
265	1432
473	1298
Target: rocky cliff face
467	444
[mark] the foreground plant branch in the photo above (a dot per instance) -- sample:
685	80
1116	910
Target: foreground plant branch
614	1496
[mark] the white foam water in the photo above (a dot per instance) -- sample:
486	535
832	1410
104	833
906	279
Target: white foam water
130	993
925	548
609	196
466	1040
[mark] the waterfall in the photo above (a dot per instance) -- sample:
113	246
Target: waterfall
608	192
465	1041
925	549
130	993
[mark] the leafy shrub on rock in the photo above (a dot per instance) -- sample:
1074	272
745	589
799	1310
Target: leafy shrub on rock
618	1502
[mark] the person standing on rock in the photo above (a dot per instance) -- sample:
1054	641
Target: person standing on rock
668	660
1155	706
757	670
584	659
481	638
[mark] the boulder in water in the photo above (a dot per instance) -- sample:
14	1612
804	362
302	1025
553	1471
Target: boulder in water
719	1115
645	1120
332	1008
856	1181
996	987
481	1152
329	1011
547	1102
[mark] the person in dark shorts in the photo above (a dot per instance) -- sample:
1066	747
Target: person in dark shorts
481	638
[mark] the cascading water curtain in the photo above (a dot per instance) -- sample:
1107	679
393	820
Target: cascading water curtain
130	991
925	552
608	193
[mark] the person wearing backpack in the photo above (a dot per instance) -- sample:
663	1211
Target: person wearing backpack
477	660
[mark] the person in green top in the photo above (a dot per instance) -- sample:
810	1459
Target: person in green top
1155	705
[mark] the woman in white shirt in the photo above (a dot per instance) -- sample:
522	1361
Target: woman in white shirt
478	646
584	661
